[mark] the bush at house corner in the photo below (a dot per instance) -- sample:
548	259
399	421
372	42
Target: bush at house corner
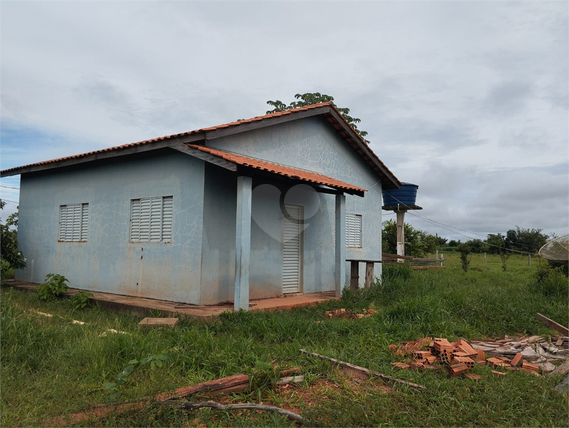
11	257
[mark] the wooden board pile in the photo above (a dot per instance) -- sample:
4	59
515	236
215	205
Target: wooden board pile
534	349
459	357
343	313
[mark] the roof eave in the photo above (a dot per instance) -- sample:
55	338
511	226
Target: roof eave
390	181
284	117
111	152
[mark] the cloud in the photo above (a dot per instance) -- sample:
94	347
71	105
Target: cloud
466	99
507	98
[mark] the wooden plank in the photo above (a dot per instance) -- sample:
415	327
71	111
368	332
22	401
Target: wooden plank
147	323
419	260
369	274
561	370
238	380
395	256
364	370
427	267
354	275
549	322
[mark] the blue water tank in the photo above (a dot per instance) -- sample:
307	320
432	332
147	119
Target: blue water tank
406	195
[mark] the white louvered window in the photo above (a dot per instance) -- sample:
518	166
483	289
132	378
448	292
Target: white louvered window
73	222
354	230
151	219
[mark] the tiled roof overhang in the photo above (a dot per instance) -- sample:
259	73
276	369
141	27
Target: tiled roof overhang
175	141
272	168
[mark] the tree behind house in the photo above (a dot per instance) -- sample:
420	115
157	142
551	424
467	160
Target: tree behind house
310	98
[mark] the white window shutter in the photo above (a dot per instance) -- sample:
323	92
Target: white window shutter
84	221
354	230
151	219
73	222
167	214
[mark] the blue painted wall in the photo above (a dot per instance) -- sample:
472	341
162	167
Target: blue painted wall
309	144
218	258
198	266
107	262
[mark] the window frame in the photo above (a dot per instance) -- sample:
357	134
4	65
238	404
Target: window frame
74	223
350	230
150	218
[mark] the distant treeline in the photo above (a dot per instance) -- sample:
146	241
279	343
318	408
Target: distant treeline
418	243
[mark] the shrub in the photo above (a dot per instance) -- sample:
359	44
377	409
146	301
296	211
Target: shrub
394	272
464	250
10	256
54	287
550	281
6	271
81	299
563	266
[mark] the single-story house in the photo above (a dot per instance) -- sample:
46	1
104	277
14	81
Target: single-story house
252	209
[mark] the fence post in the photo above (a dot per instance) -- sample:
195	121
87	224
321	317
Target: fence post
529	260
485	262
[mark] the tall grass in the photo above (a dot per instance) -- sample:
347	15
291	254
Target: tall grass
51	366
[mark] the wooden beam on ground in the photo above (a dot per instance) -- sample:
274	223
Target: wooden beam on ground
549	322
148	323
239	406
239	382
235	383
428	267
364	370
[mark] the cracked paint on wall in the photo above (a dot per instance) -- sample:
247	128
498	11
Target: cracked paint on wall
198	265
108	262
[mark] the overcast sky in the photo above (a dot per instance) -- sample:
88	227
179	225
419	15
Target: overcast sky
467	99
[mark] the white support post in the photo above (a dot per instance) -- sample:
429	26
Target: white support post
243	242
340	253
400	235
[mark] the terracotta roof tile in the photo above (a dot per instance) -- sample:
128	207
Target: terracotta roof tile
369	156
282	170
168	137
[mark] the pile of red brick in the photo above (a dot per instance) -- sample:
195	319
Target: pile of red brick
457	357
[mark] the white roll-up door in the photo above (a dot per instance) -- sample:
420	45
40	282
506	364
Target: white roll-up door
292	249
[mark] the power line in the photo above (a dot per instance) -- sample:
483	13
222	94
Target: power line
457	230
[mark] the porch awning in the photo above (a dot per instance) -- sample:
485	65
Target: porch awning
206	154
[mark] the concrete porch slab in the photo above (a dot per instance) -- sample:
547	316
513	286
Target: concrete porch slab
144	307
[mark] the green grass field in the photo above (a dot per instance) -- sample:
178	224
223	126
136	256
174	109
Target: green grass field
51	366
